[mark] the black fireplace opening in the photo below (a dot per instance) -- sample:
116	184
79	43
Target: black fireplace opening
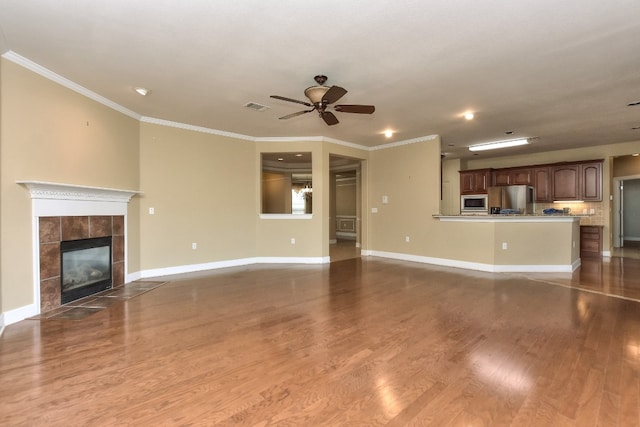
85	267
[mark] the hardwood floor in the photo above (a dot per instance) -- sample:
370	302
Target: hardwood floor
343	249
364	341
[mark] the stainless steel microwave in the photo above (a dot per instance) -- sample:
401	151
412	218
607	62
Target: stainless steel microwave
474	204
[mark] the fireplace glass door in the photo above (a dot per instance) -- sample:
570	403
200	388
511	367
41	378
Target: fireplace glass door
85	267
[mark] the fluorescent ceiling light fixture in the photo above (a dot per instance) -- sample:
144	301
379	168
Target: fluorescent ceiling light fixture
142	91
468	115
499	144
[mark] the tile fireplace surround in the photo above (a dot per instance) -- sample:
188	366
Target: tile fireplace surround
69	212
54	229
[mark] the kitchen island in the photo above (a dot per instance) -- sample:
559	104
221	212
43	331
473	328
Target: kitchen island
510	243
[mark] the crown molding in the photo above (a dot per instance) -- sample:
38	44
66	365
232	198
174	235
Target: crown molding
200	129
46	73
405	142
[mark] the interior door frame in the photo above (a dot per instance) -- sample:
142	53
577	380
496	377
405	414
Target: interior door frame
618	209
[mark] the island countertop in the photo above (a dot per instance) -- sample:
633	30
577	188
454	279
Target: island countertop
509	218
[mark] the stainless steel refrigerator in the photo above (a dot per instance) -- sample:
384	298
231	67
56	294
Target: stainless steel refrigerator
511	199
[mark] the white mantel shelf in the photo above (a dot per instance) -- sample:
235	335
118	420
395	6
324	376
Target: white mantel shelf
508	218
58	191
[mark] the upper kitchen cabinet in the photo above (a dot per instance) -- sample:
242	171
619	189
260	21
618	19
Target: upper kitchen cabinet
542	183
565	182
475	181
591	177
511	176
579	181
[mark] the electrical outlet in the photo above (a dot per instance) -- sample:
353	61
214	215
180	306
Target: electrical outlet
194	246
152	211
293	240
374	210
385	200
504	246
592	211
407	239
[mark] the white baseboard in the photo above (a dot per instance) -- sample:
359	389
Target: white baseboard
169	271
527	268
1	323
17	314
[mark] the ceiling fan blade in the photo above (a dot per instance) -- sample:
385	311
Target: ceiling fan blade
360	109
329	118
291	100
299	113
333	94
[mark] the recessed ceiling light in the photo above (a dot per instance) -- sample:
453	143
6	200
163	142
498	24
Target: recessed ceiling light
280	159
636	154
468	115
499	144
299	155
388	133
633	104
142	91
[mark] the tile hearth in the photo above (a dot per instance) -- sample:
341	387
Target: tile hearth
84	307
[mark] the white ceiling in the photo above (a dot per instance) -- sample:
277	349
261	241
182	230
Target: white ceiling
563	71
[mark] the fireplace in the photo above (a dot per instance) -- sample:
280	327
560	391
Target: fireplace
73	238
65	212
85	267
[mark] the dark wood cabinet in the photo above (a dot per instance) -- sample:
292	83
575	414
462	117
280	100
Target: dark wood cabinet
591	177
542	184
557	181
475	181
590	240
501	177
521	176
511	176
565	182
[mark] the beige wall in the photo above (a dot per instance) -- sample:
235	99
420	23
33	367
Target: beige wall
202	188
50	133
626	166
273	236
409	175
346	197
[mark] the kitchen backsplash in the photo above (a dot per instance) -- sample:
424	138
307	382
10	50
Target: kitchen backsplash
597	218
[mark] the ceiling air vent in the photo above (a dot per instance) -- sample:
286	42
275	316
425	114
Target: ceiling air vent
257	107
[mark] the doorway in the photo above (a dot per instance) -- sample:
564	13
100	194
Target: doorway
626	218
345	197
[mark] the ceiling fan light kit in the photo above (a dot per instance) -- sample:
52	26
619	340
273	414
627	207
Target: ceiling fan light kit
321	97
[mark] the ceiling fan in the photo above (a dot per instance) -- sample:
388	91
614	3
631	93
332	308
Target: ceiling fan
321	96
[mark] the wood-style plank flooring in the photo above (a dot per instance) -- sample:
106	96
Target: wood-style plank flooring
364	341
